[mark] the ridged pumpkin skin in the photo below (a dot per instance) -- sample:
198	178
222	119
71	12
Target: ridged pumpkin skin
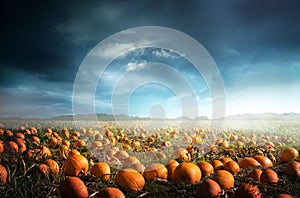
224	178
3	174
110	192
206	168
73	187
264	161
248	162
269	176
130	180
209	189
187	173
247	191
102	170
171	166
288	154
75	164
155	170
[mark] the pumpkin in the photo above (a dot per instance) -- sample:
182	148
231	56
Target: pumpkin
73	187
139	167
73	152
232	167
3	174
20	135
171	166
102	170
247	191
75	164
166	144
206	168
264	161
21	144
217	164
248	162
44	169
110	192
130	161
53	142
284	196
224	160
292	168
255	174
209	188
121	155
35	140
130	180
224	178
80	143
155	170
288	154
269	176
11	147
187	173
43	151
1	146
53	166
182	154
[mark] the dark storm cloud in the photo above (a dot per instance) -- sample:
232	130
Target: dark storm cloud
44	42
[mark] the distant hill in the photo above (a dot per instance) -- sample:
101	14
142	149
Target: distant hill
265	116
106	117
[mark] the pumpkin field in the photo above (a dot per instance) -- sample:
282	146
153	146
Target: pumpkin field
42	158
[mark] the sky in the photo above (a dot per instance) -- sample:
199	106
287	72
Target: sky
254	44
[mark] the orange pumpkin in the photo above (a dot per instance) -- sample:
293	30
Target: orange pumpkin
288	154
248	162
209	188
73	187
255	174
35	140
121	155
111	192
11	147
53	142
206	168
75	164
43	151
284	196
217	164
171	166
130	161
73	152
224	178
264	161
247	190
155	170
187	173
1	146
3	174
232	167
269	176
224	160
53	166
139	167
292	168
130	180
44	169
102	170
182	154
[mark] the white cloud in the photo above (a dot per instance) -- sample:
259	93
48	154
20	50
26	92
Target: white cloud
135	66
